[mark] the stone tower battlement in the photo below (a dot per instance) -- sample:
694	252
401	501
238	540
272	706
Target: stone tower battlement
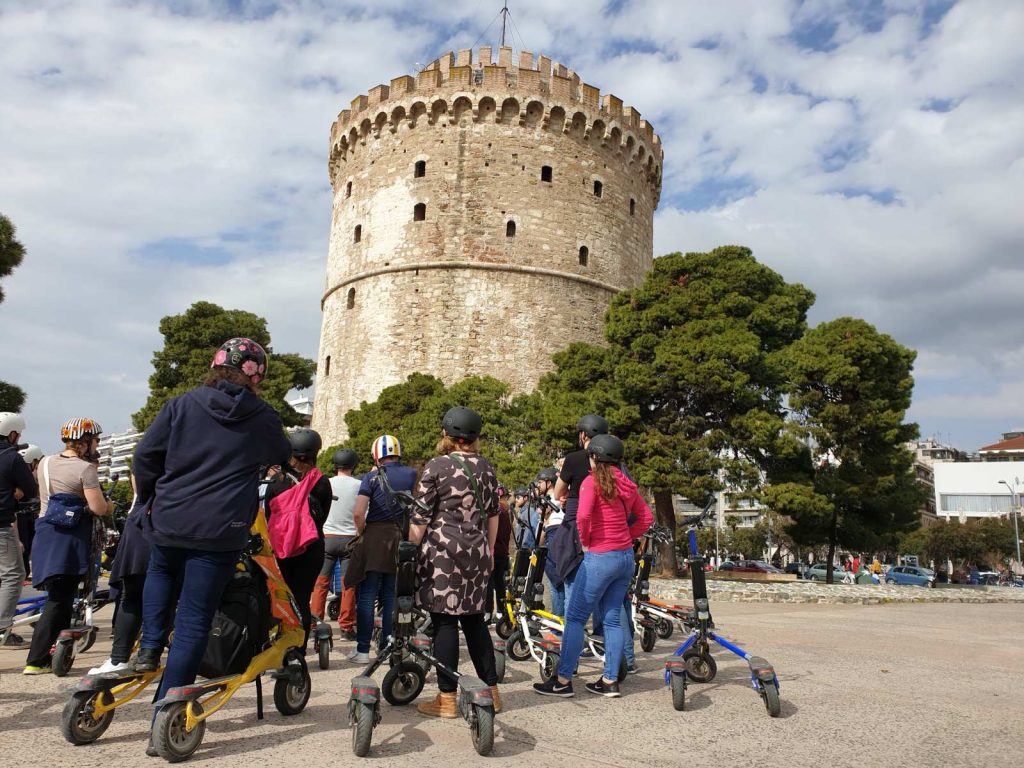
484	214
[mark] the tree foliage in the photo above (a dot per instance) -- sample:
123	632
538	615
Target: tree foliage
12	252
989	540
190	340
850	387
12	398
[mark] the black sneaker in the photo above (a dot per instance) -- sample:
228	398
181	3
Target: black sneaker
11	640
146	660
632	669
601	688
554	688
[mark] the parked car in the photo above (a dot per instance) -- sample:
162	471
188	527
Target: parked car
756	566
798	568
728	565
819	571
910	574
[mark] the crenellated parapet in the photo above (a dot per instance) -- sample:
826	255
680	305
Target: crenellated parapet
537	94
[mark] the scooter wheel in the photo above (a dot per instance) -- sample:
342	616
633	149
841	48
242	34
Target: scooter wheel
170	739
291	697
86	641
77	722
503	628
403	683
362	728
549	668
516	646
647	639
63	658
324	654
482	728
334	609
771	699
664	628
701	667
678	683
499	665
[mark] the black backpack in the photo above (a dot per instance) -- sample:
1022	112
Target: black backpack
240	627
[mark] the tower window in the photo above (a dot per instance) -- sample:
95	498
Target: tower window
420	169
545	173
357	233
348	190
584	255
598	189
632	207
327	366
419	212
350	302
510	228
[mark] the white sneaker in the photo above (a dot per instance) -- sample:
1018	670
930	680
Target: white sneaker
109	667
357	658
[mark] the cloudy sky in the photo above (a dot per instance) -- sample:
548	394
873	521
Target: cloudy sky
156	153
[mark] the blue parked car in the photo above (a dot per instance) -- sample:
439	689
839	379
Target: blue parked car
910	574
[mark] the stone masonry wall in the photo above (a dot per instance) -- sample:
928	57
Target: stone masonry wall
450	252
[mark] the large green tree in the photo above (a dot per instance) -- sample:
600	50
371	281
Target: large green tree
190	340
849	390
691	375
12	252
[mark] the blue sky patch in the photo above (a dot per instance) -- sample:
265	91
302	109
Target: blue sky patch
940	105
183	252
886	196
816	35
712	193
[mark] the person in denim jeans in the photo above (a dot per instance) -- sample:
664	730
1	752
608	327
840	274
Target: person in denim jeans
611	514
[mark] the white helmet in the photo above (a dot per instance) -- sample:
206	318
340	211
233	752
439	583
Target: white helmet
11	422
31	453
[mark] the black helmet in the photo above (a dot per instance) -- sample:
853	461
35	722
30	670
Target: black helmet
548	473
606	449
306	444
521	491
345	458
591	425
462	423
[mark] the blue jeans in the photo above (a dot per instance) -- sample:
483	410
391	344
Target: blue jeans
557	598
203	577
375	584
628	647
599	587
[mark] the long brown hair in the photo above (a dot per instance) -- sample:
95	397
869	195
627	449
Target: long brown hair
605	480
449	444
225	373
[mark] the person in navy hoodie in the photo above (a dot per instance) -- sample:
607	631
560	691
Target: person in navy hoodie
199	462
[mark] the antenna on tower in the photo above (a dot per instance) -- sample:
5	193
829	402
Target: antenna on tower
504	20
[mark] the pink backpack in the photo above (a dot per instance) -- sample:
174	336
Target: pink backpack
291	525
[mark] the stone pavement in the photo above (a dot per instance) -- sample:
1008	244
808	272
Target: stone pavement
678	590
862	685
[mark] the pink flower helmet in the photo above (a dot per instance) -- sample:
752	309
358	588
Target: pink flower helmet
245	355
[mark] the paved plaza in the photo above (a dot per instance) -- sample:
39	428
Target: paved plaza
862	685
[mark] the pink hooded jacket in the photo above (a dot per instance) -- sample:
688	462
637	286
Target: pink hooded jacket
603	524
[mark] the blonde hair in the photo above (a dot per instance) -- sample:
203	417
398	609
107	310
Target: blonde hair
448	444
604	478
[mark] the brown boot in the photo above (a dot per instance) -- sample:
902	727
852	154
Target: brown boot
497	699
442	706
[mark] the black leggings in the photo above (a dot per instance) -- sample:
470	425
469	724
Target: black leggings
478	641
300	574
56	617
128	620
496	589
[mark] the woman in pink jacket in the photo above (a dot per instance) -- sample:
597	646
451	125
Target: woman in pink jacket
611	514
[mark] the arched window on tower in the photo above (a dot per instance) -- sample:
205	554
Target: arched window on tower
632	207
350	301
327	366
545	173
510	228
420	169
584	255
357	233
348	190
419	212
598	189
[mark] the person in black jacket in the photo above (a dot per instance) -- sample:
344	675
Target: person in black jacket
300	571
199	463
16	484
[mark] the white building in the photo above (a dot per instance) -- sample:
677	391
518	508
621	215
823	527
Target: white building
975	489
116	451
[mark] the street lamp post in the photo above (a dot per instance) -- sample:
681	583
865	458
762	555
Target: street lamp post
1014	506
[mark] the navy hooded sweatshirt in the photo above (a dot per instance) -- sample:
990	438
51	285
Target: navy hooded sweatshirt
200	462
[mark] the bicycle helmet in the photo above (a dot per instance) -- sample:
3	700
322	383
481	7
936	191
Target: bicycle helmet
384	447
606	449
344	458
306	444
31	453
462	423
245	355
11	422
80	429
591	425
521	491
548	473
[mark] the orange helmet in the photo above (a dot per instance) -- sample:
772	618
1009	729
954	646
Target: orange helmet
76	429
